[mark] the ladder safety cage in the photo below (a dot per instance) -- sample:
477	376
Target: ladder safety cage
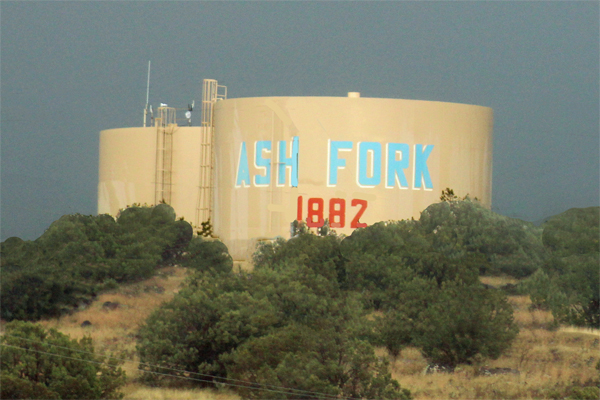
165	124
211	93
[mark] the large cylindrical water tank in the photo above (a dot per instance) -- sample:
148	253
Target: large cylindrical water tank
350	160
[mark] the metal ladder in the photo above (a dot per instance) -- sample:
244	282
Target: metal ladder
211	93
165	127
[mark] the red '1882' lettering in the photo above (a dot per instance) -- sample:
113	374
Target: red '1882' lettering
337	212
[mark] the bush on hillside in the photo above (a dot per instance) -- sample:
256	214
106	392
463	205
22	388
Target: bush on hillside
209	318
321	254
383	255
38	363
568	283
220	321
464	323
207	255
306	363
81	255
506	245
576	231
427	285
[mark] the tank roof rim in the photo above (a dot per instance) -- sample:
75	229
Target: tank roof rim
354	99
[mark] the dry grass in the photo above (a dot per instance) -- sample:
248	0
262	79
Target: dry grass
497	281
136	302
114	331
139	392
525	317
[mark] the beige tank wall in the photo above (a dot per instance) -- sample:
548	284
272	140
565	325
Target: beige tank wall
127	169
461	159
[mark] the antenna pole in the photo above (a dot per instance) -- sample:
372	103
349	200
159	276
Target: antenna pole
147	96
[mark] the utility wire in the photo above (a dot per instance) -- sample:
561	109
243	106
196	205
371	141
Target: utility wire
296	391
242	384
156	373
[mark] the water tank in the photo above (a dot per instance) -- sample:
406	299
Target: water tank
351	160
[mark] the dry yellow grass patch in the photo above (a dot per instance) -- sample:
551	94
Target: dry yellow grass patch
114	331
139	392
525	317
497	281
576	329
136	302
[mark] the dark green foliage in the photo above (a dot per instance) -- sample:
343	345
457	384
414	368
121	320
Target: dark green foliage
448	195
568	283
207	229
572	272
71	371
501	245
204	321
320	254
452	323
327	361
182	233
382	256
205	255
424	277
298	320
81	255
463	322
292	305
576	231
33	293
582	287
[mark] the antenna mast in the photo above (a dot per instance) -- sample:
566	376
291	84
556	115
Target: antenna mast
147	96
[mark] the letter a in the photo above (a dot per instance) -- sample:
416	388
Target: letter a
242	178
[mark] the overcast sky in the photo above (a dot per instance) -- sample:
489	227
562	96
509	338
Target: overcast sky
71	69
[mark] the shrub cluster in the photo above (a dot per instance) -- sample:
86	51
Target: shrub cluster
428	291
568	283
303	320
500	245
46	364
80	255
288	330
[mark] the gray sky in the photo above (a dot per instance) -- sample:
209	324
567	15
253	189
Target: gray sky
71	69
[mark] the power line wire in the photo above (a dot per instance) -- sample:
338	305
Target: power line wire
299	391
243	383
156	373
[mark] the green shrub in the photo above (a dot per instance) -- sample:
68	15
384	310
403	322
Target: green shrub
207	255
509	246
465	322
298	358
79	255
203	321
287	324
576	231
39	363
568	283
